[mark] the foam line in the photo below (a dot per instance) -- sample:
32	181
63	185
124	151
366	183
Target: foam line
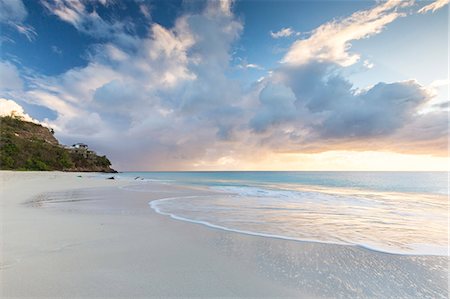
154	205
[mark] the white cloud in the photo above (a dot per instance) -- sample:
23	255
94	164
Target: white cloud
284	32
13	13
26	30
368	64
440	83
9	77
76	14
253	66
145	10
114	53
245	65
73	12
149	96
434	6
440	100
225	7
330	42
11	108
65	110
56	50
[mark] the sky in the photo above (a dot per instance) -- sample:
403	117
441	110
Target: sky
234	85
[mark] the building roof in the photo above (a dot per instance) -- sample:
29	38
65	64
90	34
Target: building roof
80	144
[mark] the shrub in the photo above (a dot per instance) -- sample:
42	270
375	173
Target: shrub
34	164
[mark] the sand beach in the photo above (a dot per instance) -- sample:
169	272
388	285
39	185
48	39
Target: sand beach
80	235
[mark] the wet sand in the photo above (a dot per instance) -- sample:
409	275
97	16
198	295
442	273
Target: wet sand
66	236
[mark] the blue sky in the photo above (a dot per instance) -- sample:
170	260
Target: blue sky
207	84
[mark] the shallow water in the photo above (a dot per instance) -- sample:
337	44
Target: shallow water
394	212
318	270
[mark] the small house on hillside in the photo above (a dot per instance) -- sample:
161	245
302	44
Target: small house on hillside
82	149
80	146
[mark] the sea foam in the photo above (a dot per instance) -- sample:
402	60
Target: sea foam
397	223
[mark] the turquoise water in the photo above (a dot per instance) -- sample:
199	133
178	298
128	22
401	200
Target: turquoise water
394	212
425	182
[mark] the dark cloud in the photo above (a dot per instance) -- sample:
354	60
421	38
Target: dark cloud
312	108
379	111
331	107
277	105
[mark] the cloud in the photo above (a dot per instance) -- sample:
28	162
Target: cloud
378	111
330	42
326	113
9	77
284	32
433	6
167	101
56	50
145	10
277	106
245	65
84	17
368	64
11	108
440	83
156	92
26	30
13	13
253	66
221	7
328	105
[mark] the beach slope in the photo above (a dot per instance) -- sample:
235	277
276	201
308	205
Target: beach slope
81	235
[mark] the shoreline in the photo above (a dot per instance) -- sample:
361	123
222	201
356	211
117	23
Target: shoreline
90	237
280	237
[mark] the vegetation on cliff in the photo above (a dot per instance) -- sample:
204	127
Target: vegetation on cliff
29	146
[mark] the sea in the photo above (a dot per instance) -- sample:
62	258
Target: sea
391	212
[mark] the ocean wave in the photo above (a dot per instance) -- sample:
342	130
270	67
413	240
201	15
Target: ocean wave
303	196
385	224
254	191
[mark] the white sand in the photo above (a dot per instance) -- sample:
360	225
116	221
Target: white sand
89	237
